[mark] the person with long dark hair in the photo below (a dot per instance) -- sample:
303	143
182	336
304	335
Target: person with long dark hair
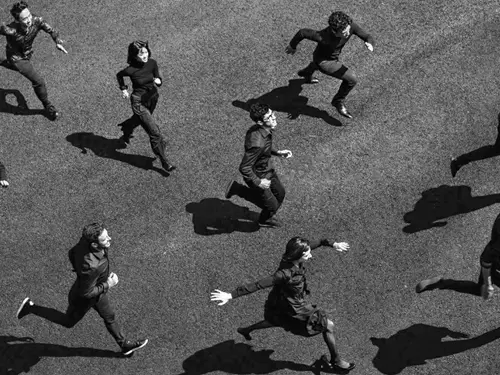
286	306
20	35
145	75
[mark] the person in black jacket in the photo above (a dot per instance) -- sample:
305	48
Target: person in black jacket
145	75
286	306
330	41
90	261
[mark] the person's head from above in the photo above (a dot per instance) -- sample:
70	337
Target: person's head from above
298	250
97	236
263	115
22	14
138	52
340	24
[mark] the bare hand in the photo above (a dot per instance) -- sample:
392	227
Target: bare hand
290	50
112	279
265	183
157	81
61	48
369	46
285	153
125	94
220	296
487	291
4	183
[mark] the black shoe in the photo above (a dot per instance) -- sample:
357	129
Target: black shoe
342	109
270	223
230	189
129	347
24	309
333	367
169	167
454	167
428	284
309	78
51	112
244	333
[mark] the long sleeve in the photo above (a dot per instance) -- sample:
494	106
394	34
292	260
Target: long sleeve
358	31
318	242
120	76
3	173
248	162
267	282
305	34
5	30
50	30
89	288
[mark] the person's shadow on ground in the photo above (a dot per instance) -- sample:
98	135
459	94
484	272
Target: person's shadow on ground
415	345
22	106
287	99
236	358
108	148
19	354
217	216
442	202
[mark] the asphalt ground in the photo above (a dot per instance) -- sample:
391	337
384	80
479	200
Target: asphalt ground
429	91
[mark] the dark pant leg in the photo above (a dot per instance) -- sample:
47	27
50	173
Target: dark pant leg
106	312
271	198
77	309
277	189
309	69
335	69
148	123
128	126
26	69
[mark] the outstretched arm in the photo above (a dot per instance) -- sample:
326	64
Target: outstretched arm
301	35
362	34
52	32
339	246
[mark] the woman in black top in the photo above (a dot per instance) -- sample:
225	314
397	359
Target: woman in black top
145	76
286	306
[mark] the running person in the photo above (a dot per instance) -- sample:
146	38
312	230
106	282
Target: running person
20	35
286	306
145	76
330	42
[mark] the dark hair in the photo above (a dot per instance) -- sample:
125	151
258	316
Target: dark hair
17	8
258	111
91	232
338	21
295	248
133	50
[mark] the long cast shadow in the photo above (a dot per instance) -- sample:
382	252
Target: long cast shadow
415	345
216	216
19	354
108	148
21	108
442	202
287	99
236	358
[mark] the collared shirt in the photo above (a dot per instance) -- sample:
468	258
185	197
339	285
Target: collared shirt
329	45
490	257
258	150
20	40
92	269
289	287
3	174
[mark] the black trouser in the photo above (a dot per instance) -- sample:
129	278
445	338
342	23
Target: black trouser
25	67
78	308
269	199
481	153
466	286
334	68
143	108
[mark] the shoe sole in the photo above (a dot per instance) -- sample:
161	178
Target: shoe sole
137	348
25	301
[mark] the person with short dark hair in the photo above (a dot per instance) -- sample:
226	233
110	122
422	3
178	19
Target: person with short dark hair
489	273
286	306
20	35
330	42
263	185
3	176
89	259
145	75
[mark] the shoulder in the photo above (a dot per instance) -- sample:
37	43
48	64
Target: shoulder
254	134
